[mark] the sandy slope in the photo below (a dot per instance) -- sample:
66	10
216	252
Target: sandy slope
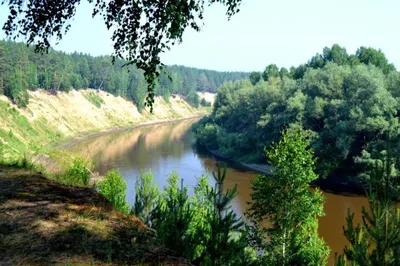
70	114
209	97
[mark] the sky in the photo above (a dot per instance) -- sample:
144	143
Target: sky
284	32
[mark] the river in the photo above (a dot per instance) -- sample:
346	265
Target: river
164	148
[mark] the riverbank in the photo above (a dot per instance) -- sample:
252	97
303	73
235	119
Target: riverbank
43	222
331	184
77	139
259	168
51	119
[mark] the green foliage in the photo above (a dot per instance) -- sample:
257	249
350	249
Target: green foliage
114	189
226	241
271	71
202	228
78	173
146	197
203	102
375	57
349	106
377	240
173	216
94	99
23	162
193	99
206	133
132	39
74	169
291	209
22	69
254	77
14	141
22	98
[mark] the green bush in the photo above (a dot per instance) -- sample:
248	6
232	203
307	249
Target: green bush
203	102
79	172
94	99
22	98
114	189
206	133
22	162
74	169
146	197
193	99
173	216
202	228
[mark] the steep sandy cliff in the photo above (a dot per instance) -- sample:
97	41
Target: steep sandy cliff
49	118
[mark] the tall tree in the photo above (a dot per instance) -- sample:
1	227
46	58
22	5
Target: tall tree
336	54
270	71
291	209
283	72
3	67
255	77
57	71
368	55
176	82
377	240
202	82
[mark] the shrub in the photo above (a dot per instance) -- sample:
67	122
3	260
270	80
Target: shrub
206	133
79	172
22	162
114	189
193	99
146	197
203	102
22	98
203	227
74	169
94	99
173	217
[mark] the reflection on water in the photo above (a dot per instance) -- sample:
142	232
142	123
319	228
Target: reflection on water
165	148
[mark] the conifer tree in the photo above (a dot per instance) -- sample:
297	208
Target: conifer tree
226	243
376	242
146	197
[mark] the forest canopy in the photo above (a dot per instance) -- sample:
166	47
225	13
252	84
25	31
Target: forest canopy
142	29
349	103
22	69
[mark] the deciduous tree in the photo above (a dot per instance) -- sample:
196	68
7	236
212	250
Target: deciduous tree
290	237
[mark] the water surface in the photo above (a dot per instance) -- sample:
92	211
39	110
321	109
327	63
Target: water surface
170	147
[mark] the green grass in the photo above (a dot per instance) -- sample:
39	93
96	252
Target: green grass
94	99
19	136
23	162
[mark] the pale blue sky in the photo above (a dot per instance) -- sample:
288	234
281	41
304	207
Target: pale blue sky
284	32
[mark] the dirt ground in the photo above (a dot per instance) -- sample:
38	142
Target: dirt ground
43	222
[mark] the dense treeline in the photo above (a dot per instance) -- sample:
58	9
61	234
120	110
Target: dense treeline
348	102
22	69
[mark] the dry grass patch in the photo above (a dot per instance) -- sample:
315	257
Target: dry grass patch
43	222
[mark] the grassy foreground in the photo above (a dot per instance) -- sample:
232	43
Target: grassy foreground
43	222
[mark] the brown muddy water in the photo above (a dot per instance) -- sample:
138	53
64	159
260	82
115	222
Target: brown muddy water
170	147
